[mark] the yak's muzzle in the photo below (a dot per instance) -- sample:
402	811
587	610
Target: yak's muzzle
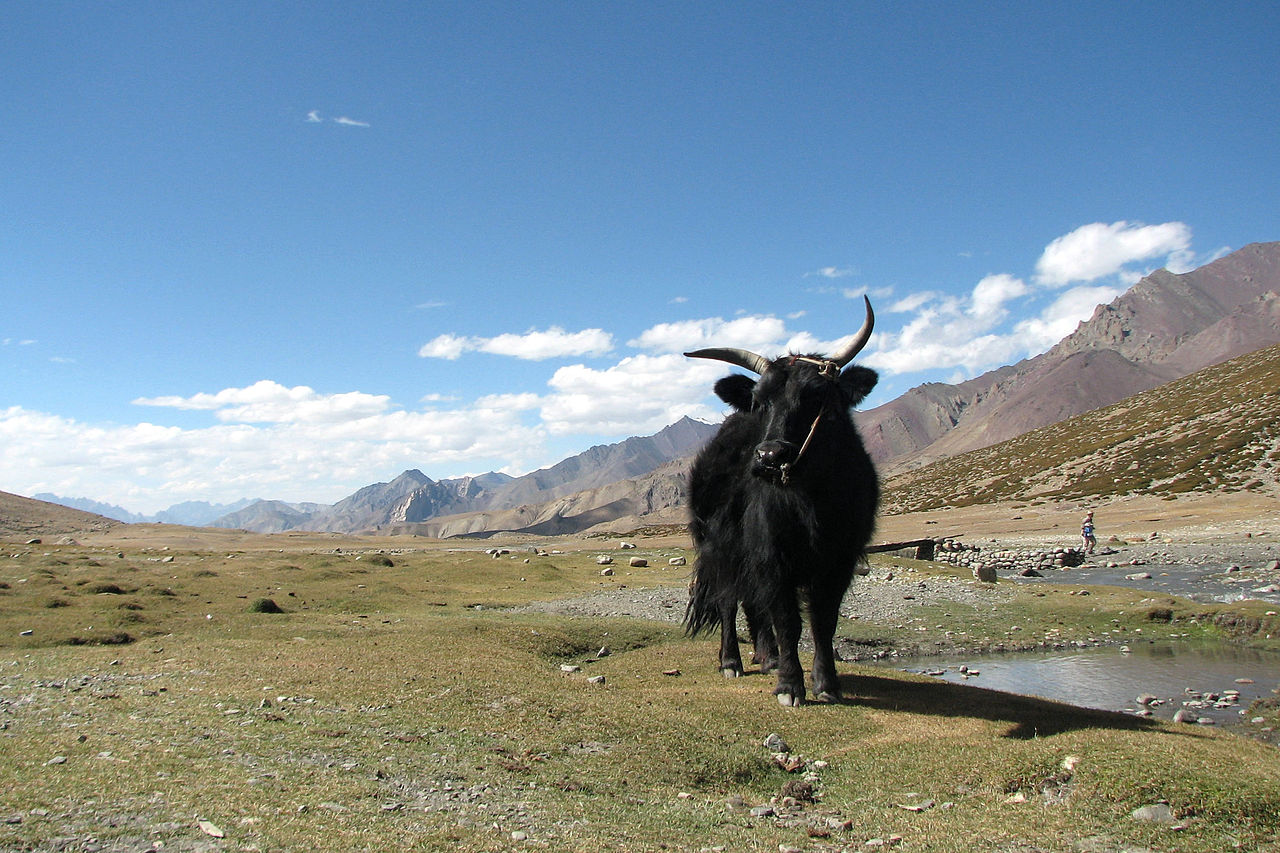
773	459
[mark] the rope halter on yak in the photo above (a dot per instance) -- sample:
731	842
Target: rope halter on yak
828	368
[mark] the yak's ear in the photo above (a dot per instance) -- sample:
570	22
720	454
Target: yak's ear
856	382
735	390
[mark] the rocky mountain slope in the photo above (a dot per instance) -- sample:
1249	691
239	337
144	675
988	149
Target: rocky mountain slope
1216	431
590	487
1164	327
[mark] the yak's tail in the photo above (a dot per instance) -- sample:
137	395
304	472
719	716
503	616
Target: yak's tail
706	597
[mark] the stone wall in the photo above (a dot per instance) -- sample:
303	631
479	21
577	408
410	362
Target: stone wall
1015	561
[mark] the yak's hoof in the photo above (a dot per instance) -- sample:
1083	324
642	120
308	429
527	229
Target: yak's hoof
731	672
790	700
828	697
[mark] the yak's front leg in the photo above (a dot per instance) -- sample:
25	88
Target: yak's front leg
730	652
822	621
786	625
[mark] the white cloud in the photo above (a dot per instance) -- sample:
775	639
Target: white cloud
987	302
271	402
553	343
350	122
1097	250
314	117
21	343
1063	316
533	345
758	333
445	346
637	396
147	467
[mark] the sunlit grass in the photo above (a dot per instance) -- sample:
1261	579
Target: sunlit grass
405	707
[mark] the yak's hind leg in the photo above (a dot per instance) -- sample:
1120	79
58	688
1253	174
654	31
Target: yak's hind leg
763	643
823	617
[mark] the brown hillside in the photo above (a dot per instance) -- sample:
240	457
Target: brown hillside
1216	432
26	518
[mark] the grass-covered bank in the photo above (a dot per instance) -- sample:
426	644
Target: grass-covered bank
402	706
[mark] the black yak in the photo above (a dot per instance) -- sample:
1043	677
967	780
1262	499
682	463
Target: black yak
783	501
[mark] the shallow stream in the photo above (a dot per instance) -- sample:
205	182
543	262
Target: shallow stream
1214	682
1197	571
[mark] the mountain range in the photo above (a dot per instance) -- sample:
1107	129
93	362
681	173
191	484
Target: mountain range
413	502
1164	327
1167	326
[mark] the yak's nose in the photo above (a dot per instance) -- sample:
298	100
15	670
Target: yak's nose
772	455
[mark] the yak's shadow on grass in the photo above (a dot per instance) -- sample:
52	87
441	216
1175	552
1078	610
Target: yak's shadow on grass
1028	716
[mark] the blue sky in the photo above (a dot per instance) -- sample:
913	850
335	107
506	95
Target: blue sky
285	250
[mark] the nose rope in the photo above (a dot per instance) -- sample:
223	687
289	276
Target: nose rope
785	468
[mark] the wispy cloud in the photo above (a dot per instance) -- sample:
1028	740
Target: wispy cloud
314	117
534	345
831	272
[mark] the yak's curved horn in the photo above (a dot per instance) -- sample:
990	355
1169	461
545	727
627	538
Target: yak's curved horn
859	341
740	357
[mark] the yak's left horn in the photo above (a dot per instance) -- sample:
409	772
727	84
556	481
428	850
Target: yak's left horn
859	341
745	359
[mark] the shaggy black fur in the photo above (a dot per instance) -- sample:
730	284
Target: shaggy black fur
768	541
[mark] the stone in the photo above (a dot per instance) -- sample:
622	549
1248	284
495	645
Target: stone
676	561
606	572
638	562
775	743
985	573
604	560
1156	813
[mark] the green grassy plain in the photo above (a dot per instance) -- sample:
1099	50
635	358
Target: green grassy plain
405	706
